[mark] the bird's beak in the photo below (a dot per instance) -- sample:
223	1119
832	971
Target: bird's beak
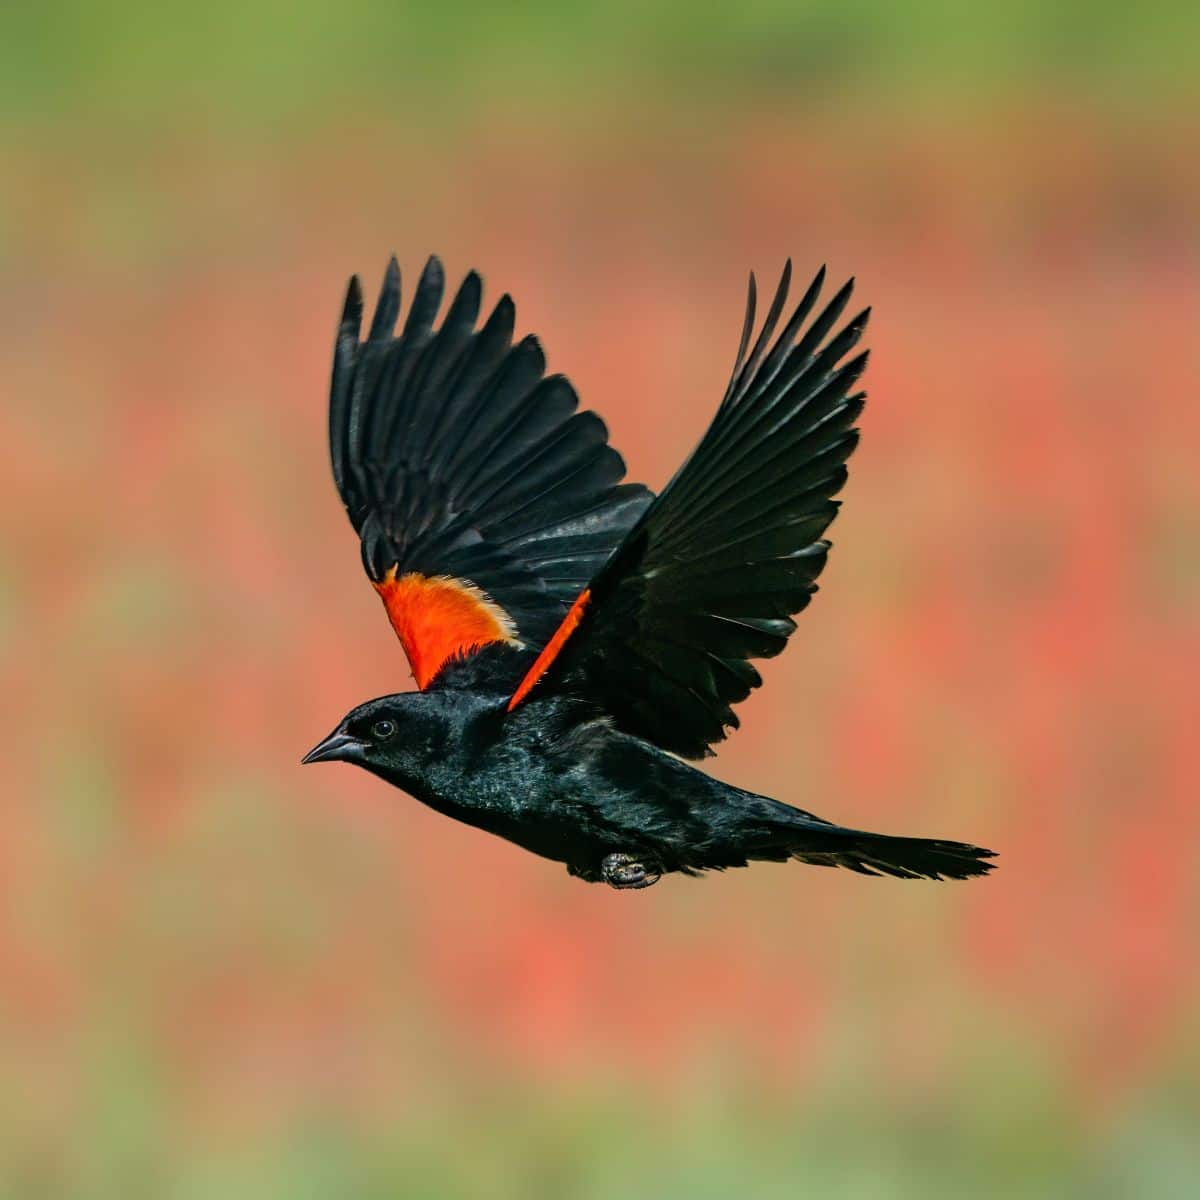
337	747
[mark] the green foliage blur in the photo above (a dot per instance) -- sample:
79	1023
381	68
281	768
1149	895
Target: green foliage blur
252	65
224	975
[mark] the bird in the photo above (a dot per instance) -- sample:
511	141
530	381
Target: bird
577	641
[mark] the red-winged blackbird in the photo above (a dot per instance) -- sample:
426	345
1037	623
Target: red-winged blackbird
572	634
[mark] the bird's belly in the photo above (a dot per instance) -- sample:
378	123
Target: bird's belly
538	817
554	808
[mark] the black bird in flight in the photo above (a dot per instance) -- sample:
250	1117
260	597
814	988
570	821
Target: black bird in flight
574	637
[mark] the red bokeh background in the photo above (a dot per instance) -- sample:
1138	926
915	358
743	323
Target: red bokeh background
1004	649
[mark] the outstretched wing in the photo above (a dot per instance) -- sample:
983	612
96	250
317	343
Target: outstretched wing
484	501
712	574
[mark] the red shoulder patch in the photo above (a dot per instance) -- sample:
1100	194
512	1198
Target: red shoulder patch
552	647
438	618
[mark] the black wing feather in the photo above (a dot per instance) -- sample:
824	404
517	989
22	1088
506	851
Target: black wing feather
718	565
454	454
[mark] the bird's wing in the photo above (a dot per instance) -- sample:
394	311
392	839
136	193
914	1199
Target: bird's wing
483	500
716	567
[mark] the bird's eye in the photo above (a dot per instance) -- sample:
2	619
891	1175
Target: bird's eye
382	730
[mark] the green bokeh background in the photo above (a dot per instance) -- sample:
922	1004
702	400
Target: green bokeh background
305	62
225	976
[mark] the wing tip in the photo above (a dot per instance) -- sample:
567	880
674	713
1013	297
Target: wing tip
843	294
387	307
506	308
785	280
352	307
433	270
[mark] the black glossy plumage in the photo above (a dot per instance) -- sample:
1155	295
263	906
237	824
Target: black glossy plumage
455	457
571	788
721	561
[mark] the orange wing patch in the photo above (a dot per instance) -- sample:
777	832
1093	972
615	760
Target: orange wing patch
437	618
552	647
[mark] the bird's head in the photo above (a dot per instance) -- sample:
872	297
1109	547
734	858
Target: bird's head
393	736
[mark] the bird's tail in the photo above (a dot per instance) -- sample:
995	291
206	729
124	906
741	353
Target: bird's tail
811	840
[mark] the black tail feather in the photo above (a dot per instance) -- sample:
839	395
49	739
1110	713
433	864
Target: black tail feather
882	854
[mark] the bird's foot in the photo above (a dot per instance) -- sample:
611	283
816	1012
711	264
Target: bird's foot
625	871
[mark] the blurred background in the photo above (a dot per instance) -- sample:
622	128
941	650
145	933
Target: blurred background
222	975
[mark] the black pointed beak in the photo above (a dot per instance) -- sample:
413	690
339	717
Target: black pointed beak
337	747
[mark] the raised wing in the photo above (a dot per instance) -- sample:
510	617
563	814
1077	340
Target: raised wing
484	501
712	574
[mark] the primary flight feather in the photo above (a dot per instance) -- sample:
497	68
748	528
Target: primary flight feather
572	634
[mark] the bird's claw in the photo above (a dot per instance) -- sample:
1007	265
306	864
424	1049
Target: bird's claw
625	871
